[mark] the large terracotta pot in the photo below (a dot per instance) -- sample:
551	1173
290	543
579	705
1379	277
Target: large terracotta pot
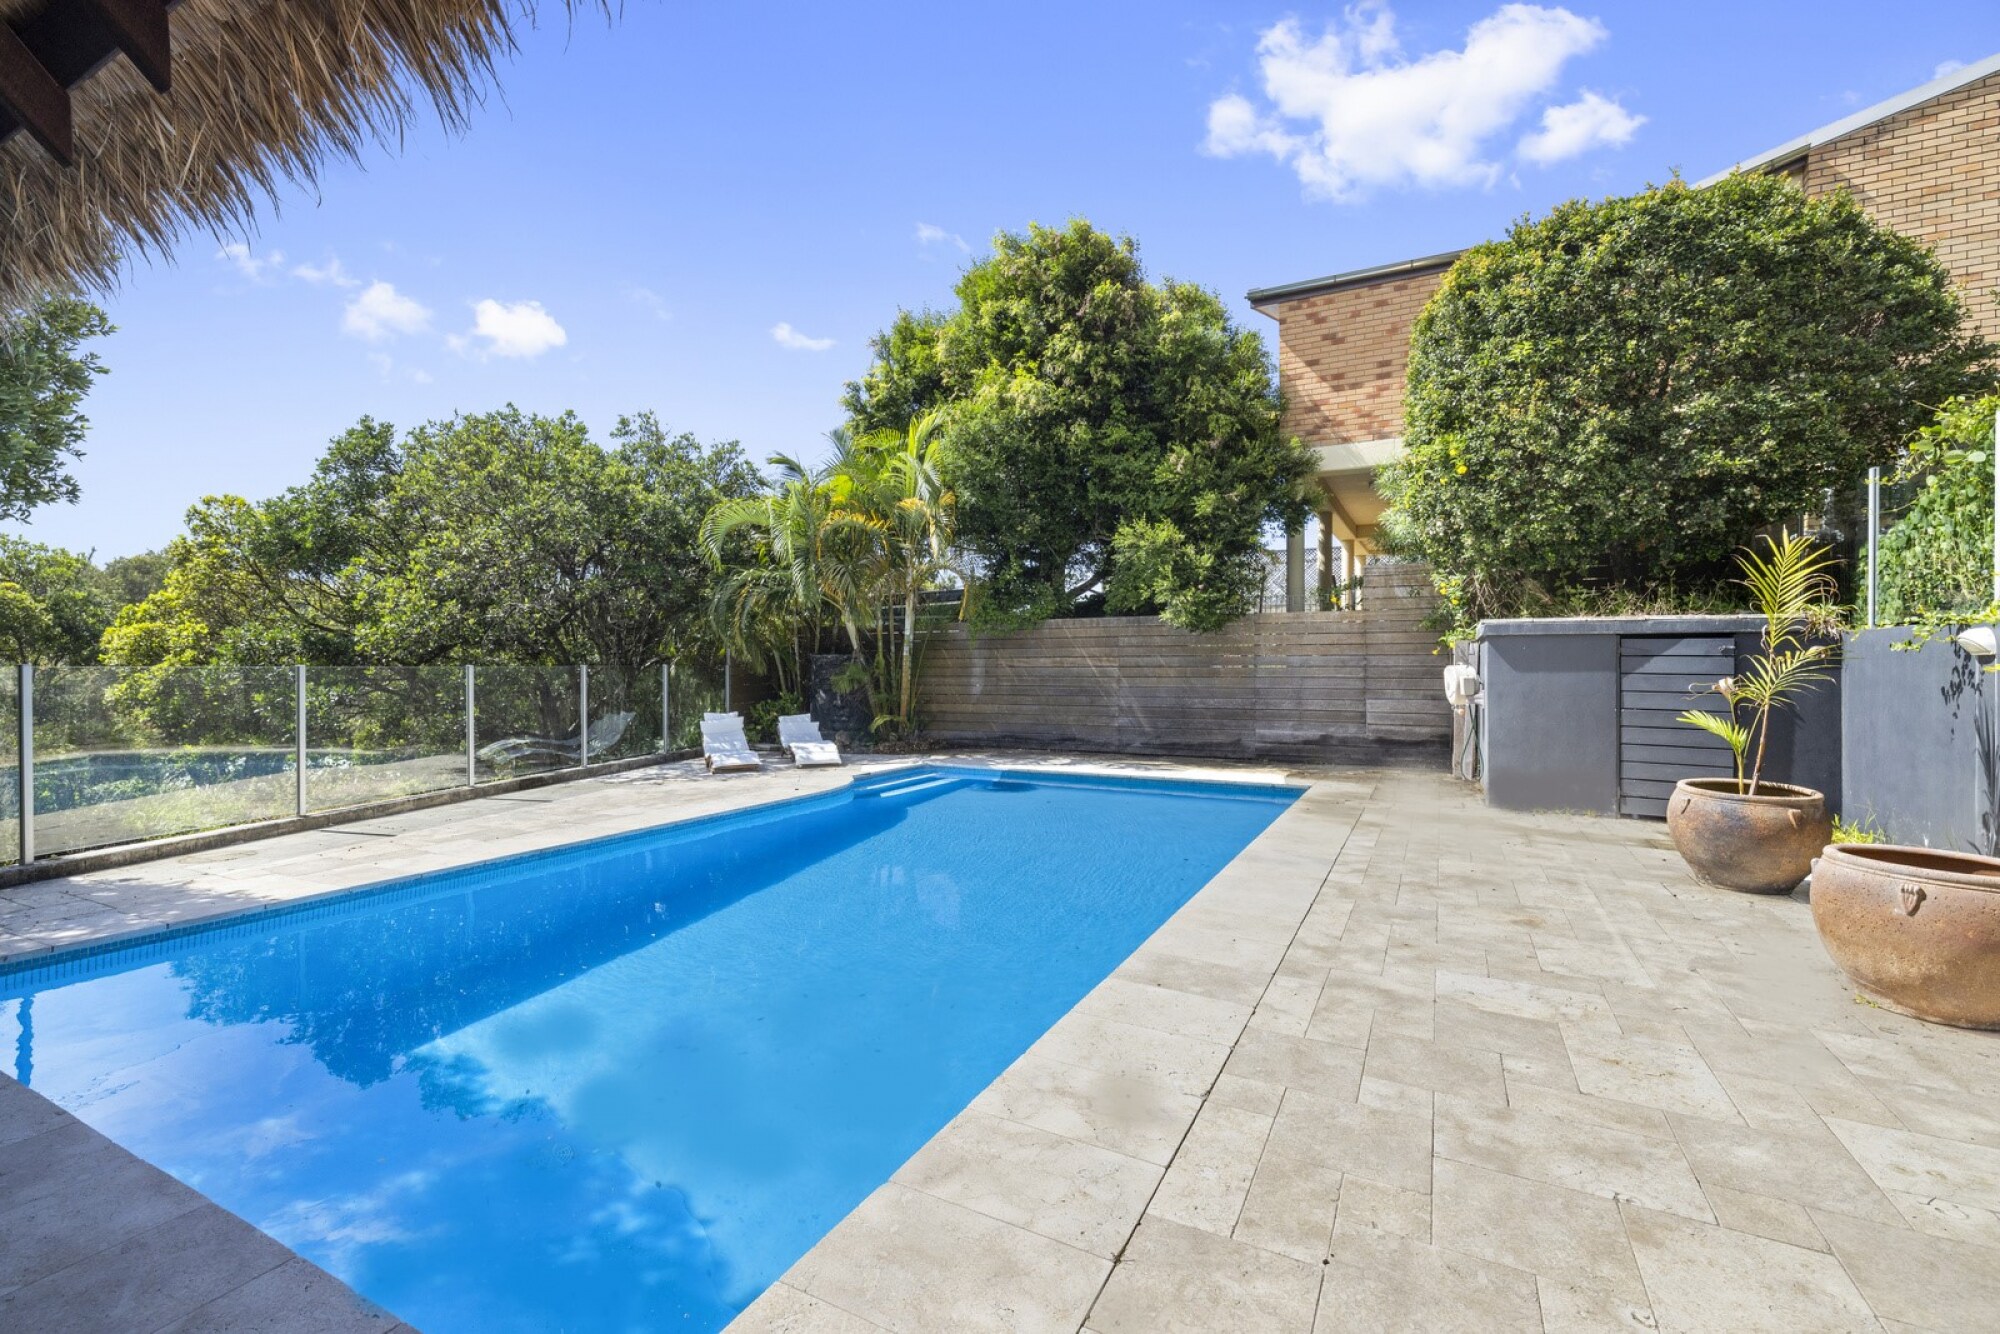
1916	928
1762	845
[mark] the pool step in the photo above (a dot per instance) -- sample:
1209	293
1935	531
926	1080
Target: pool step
907	786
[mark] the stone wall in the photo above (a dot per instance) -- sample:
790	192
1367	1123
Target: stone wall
1363	686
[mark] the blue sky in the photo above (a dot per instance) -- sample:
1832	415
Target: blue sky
707	210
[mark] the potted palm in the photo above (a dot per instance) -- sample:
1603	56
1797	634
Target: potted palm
1749	833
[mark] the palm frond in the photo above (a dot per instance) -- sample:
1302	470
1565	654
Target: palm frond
1735	734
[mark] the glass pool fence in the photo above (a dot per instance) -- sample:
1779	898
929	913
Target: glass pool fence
92	757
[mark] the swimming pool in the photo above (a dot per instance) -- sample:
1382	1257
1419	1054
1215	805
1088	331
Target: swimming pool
624	1084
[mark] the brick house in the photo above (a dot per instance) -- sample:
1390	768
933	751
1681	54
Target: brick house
1926	163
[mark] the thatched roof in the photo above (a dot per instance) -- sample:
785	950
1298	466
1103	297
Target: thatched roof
263	92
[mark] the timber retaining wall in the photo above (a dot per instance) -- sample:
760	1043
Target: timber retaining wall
1363	686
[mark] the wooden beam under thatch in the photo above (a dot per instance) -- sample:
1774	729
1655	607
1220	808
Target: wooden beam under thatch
123	130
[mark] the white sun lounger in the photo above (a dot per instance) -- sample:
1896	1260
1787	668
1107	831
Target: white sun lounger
799	734
723	744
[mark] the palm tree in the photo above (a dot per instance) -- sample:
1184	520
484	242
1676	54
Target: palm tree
804	565
896	492
868	532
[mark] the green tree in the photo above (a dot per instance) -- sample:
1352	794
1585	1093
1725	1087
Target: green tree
789	571
43	380
1621	393
500	537
129	579
904	381
893	489
52	608
855	544
1107	437
1937	558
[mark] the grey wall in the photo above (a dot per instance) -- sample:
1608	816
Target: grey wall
1915	763
1552	712
1551	718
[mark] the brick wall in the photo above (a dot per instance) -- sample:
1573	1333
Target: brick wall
1341	357
1932	172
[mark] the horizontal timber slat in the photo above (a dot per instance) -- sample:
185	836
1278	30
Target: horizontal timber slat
1648	646
1334	687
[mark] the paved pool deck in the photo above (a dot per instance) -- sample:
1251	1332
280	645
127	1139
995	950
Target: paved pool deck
1407	1063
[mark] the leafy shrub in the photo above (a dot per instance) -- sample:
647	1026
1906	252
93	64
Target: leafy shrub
1620	393
1938	558
760	721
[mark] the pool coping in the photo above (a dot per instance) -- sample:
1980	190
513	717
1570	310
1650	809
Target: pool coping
744	797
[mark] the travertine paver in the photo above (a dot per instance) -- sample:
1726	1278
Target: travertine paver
1499	1072
1407	1063
92	1239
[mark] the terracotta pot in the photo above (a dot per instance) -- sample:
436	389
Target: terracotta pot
1915	928
1761	845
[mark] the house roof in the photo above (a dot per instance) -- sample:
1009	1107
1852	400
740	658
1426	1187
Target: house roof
1271	296
126	125
1839	129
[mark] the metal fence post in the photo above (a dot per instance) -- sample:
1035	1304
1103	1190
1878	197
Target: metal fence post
302	737
27	768
582	716
728	671
1874	537
666	715
471	734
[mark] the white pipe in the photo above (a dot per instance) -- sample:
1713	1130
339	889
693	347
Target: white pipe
1874	537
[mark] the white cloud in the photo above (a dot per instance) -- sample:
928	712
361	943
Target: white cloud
1945	67
385	366
651	300
329	274
256	269
379	311
512	329
1577	127
929	234
1349	112
787	336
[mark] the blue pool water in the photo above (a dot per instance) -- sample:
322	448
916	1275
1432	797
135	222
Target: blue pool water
622	1085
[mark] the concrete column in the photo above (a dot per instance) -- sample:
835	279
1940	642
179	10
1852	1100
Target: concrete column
1325	599
1295	570
1348	566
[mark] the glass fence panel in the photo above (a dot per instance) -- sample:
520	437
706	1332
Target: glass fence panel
127	753
374	733
624	713
10	764
694	689
526	720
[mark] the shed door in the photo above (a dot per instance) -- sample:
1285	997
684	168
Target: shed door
1659	678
